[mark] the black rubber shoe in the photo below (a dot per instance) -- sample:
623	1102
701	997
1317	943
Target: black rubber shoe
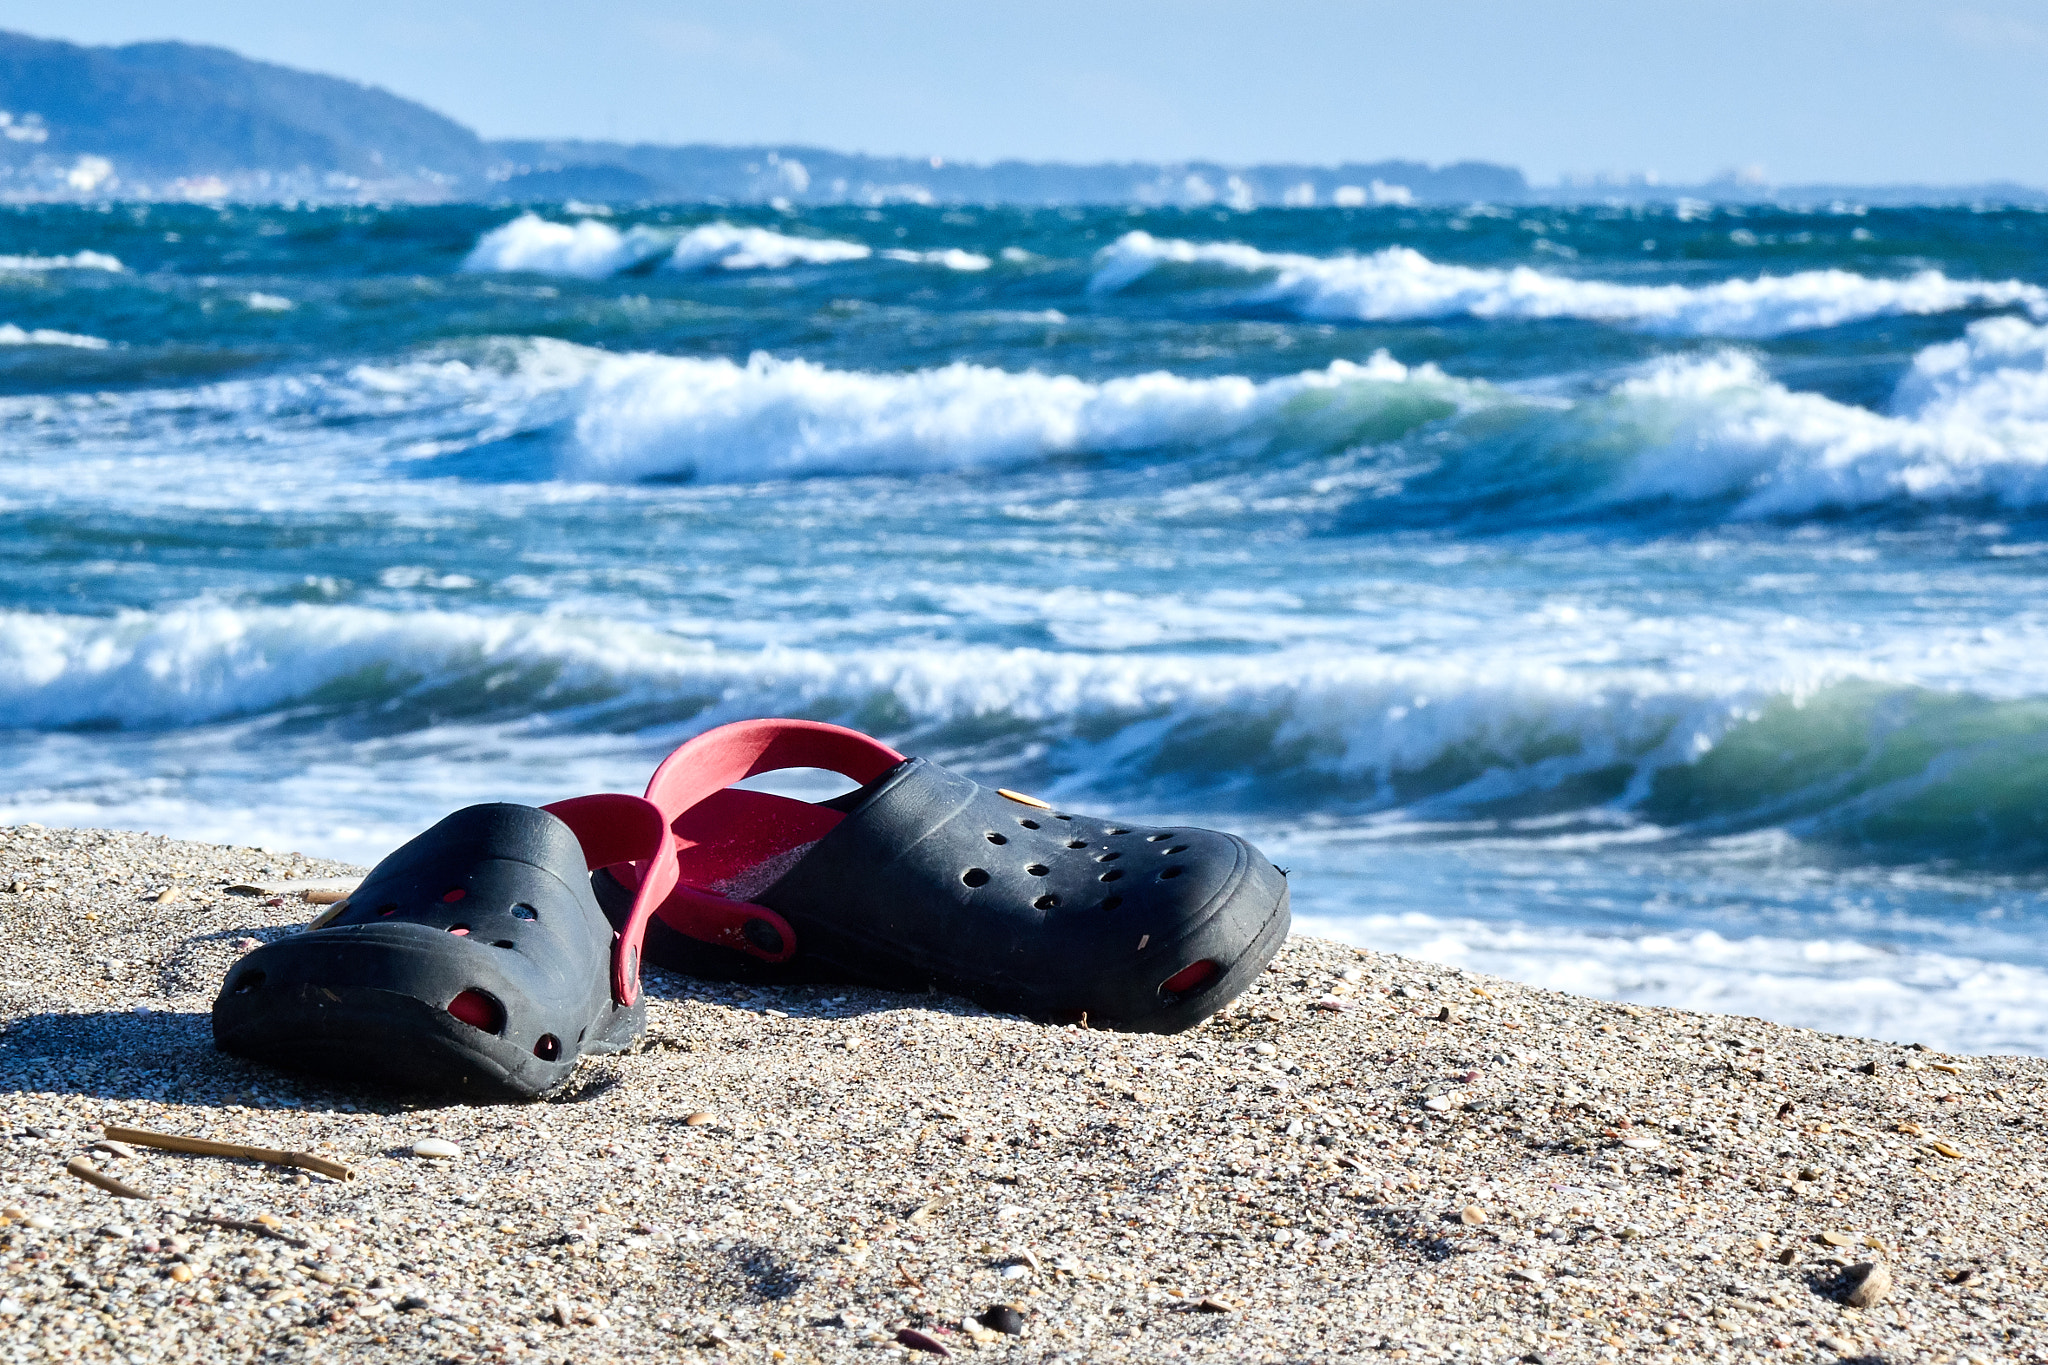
923	878
473	960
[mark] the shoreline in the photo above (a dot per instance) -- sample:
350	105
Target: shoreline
1366	1157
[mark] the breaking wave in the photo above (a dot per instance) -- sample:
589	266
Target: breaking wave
1399	283
723	246
1969	423
952	258
655	416
1881	768
77	260
593	250
11	335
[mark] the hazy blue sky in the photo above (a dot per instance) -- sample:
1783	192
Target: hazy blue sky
1870	90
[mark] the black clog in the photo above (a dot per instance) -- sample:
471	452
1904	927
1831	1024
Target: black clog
474	960
922	878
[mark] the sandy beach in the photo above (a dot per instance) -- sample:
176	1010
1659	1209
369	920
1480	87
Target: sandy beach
1366	1157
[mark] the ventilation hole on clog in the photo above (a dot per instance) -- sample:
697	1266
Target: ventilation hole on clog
1077	843
452	895
524	911
1113	874
1038	869
504	943
388	908
459	930
248	981
1028	824
1188	980
1046	902
996	838
1157	838
547	1047
1170	873
1113	902
974	876
1177	848
1116	829
1109	857
479	1010
1057	816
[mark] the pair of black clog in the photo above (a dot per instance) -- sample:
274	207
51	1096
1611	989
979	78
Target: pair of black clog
491	953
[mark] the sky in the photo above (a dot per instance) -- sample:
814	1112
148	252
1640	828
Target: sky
1868	91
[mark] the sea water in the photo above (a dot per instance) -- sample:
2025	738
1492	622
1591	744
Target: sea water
1639	601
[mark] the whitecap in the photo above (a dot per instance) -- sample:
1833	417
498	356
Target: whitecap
1969	421
587	249
725	246
656	416
77	260
11	335
952	258
1399	283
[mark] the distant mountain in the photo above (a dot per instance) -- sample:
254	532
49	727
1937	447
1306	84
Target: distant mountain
175	119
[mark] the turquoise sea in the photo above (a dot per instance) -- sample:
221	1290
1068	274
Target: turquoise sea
1646	602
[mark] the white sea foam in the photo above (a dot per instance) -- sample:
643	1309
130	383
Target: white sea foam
1969	421
1399	283
11	335
1351	722
593	250
646	416
77	260
587	250
1837	984
952	258
726	247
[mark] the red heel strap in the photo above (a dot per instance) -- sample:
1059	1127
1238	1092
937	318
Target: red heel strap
686	784
615	828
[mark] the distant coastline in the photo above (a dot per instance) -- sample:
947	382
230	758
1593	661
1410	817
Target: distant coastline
180	122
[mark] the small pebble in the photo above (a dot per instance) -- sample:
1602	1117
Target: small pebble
1471	1215
436	1149
113	1148
1867	1283
1005	1318
182	1273
697	1120
169	894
